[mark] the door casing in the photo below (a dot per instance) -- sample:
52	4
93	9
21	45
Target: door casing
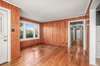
84	33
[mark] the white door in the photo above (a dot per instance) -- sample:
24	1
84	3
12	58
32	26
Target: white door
3	36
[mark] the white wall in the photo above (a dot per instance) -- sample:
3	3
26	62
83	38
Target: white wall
92	47
97	42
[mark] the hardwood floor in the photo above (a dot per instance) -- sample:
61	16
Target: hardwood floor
42	55
98	62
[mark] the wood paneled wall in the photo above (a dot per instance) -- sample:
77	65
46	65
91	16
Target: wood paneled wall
55	33
29	43
15	19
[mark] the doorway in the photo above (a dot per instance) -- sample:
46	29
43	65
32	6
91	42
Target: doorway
77	34
5	35
76	30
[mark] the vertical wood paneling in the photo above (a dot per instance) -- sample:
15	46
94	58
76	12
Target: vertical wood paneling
55	33
29	43
87	34
15	19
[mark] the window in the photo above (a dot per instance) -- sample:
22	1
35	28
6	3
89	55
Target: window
29	31
21	30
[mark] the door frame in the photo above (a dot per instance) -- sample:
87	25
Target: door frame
9	32
92	32
84	33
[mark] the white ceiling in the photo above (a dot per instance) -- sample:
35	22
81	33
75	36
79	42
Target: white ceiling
49	10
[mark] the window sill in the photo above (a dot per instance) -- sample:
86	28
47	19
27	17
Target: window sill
29	39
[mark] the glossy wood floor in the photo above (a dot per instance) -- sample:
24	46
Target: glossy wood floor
98	61
42	55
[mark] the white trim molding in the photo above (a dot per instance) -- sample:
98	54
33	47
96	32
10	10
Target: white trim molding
84	33
92	48
35	26
92	40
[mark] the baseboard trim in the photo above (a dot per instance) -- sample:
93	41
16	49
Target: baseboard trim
54	45
94	65
22	48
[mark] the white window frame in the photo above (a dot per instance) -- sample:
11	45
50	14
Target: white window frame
24	33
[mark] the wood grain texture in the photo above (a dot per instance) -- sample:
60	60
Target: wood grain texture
29	43
55	33
98	61
51	56
87	34
15	19
29	20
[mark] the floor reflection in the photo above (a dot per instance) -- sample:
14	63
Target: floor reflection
52	56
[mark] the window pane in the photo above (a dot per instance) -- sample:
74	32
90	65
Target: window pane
36	27
36	33
29	30
21	30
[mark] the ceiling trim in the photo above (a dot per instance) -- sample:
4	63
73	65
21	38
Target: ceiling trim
54	21
11	4
29	20
87	10
78	18
68	19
